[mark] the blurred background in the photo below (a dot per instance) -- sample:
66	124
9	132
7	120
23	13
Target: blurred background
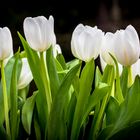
108	15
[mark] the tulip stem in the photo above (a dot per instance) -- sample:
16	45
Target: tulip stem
5	99
130	81
46	81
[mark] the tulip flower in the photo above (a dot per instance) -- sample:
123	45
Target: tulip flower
108	47
25	75
127	46
39	32
86	42
6	43
135	69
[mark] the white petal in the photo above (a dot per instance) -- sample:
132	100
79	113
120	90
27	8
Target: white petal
25	75
6	43
32	33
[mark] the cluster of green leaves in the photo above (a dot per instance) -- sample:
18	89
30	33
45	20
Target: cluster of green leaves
86	104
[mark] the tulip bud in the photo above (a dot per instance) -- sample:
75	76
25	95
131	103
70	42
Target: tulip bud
6	43
126	46
86	42
25	75
56	50
39	32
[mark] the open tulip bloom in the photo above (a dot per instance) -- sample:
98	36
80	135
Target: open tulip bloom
43	97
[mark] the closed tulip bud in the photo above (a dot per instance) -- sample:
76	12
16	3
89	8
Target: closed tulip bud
39	32
6	43
108	47
56	50
135	69
86	42
25	75
126	46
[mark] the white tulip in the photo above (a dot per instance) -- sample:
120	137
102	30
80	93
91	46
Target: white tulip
39	32
127	46
135	69
86	42
25	75
56	50
108	47
6	43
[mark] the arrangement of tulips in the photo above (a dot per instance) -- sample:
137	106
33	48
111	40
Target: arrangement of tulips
72	100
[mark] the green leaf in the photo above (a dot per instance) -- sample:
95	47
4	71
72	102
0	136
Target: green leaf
14	98
27	113
86	81
57	125
61	60
129	110
8	75
52	72
97	95
35	65
112	110
124	81
37	127
98	76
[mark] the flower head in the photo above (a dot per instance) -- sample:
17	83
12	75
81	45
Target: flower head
6	43
86	42
39	32
127	46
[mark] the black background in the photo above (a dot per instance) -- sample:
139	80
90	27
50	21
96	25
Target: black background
68	14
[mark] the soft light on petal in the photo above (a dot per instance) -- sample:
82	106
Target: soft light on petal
6	43
25	75
39	32
86	42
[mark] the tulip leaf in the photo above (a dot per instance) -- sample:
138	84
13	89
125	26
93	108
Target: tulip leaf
14	97
61	60
54	79
57	124
98	94
8	75
98	76
128	112
112	110
86	80
124	81
35	65
27	113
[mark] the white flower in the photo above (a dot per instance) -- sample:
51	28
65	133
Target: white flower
86	42
39	32
6	43
25	75
126	46
108	47
56	50
135	69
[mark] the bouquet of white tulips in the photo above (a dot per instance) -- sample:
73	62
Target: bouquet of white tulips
72	100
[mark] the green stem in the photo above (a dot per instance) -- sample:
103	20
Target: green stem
130	80
46	81
5	98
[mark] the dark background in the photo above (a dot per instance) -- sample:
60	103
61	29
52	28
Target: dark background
108	15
